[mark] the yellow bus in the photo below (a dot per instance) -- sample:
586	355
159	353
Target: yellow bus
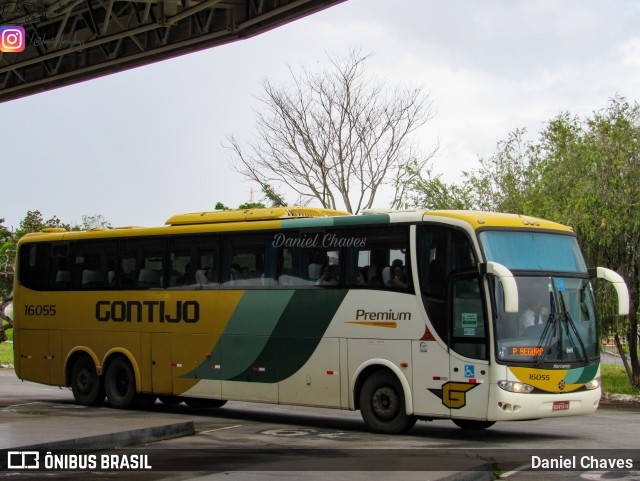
472	316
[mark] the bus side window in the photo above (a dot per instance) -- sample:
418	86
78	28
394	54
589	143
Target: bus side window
142	263
33	265
193	262
94	265
379	258
60	270
249	261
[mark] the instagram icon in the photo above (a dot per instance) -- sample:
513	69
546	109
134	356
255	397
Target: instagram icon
12	39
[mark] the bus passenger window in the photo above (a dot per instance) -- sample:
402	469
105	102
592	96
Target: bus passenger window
60	268
249	261
33	265
142	264
303	262
193	262
94	265
379	258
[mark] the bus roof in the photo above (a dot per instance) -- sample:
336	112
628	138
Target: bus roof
272	213
481	219
301	217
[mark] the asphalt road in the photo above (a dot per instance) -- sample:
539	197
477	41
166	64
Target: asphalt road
257	442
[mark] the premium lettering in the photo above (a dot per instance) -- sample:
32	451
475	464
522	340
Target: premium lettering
389	315
148	311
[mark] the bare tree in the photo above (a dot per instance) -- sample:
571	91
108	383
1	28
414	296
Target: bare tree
335	136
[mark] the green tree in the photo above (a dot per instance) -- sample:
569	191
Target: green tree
96	221
588	176
582	172
420	187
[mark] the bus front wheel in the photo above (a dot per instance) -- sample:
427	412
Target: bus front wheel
382	404
86	385
120	384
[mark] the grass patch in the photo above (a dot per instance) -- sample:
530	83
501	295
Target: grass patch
6	353
615	380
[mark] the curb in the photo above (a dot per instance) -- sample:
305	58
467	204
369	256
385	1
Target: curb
121	439
626	398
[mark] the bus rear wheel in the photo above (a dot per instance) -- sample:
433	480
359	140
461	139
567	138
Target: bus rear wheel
471	424
382	404
120	384
86	385
201	403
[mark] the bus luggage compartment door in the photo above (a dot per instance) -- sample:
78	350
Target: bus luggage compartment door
34	355
161	380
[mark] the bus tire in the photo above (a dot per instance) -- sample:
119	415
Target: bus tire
120	384
473	425
202	403
86	385
382	404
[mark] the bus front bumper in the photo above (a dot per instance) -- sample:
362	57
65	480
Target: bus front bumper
508	406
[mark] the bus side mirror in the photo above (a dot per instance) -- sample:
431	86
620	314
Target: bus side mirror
619	285
509	286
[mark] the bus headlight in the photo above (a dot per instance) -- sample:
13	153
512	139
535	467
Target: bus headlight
513	386
593	384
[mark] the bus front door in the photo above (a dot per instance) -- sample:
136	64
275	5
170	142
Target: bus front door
467	392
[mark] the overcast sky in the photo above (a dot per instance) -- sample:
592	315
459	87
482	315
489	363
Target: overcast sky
142	145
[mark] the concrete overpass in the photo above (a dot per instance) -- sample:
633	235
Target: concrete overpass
69	41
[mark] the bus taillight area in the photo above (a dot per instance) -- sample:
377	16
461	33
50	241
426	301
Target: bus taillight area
511	406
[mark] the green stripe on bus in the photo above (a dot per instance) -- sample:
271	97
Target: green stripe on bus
247	332
308	222
295	338
362	220
581	375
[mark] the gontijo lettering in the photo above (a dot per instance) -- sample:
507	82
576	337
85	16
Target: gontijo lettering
147	311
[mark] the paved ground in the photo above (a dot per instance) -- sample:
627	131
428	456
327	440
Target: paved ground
42	419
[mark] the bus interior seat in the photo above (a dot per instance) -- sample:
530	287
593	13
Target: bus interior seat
386	276
92	278
63	279
201	277
287	280
314	271
149	278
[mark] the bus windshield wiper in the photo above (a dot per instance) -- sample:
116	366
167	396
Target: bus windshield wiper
569	322
547	332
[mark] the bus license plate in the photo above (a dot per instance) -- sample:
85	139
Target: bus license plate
560	405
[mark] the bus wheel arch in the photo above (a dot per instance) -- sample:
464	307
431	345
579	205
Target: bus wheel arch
120	382
384	400
82	377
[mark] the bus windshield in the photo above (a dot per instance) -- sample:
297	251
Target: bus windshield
556	322
533	251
